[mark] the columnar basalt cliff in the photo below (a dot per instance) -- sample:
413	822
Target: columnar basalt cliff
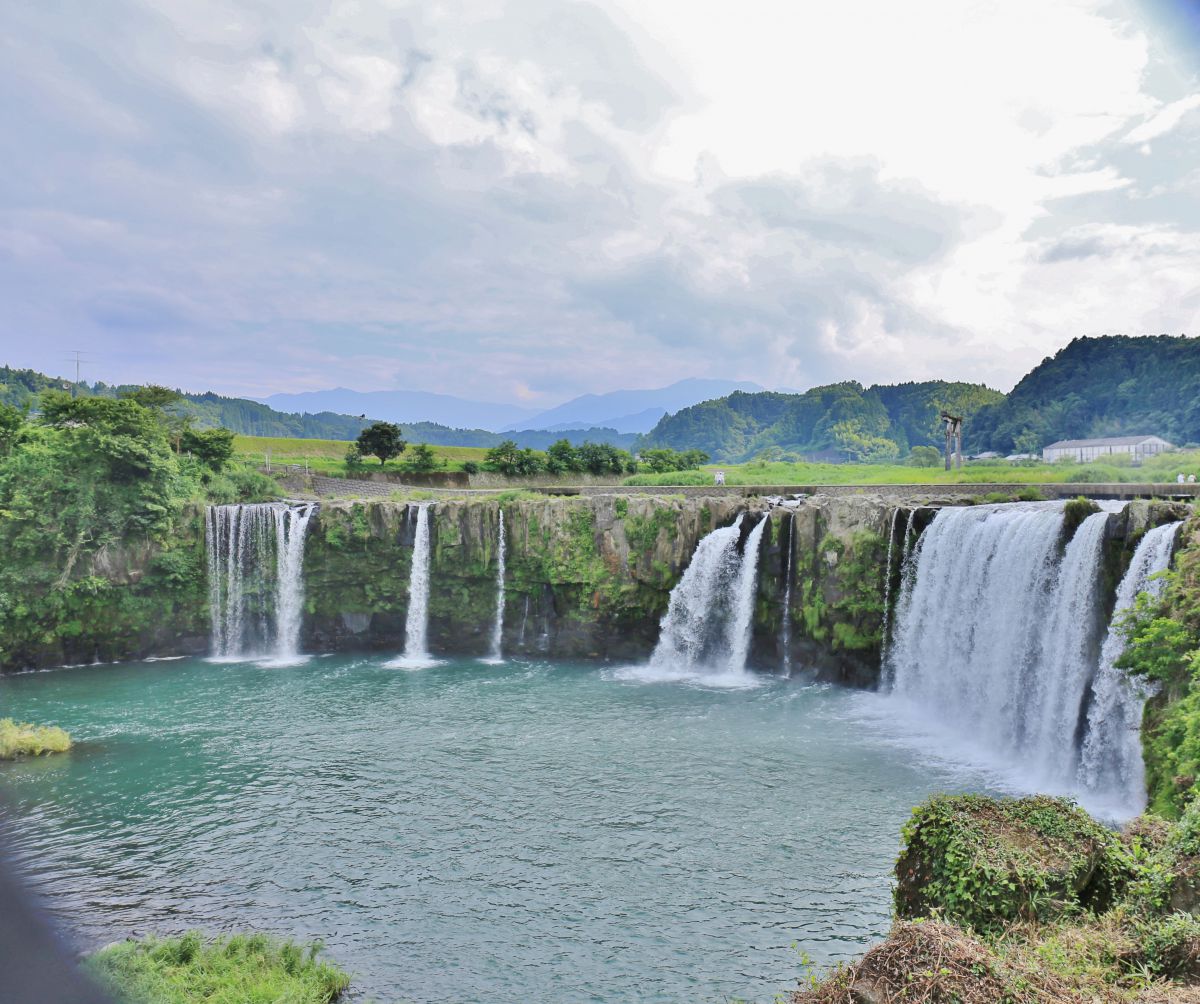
586	577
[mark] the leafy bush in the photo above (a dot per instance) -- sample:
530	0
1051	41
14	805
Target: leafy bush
984	863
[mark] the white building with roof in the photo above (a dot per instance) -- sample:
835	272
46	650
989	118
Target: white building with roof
1084	450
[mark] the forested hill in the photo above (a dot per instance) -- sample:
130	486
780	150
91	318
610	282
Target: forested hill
879	423
1110	386
21	387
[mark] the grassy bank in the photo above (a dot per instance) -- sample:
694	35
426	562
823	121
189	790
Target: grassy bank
229	970
21	739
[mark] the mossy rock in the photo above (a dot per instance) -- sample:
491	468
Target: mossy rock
1075	512
985	863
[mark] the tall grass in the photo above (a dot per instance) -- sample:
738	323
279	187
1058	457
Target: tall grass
20	739
236	969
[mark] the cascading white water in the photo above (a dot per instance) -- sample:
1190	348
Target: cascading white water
707	627
1058	686
1111	757
256	592
497	651
416	652
291	529
785	621
997	639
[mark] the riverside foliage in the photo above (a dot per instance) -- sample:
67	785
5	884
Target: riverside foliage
22	739
230	970
83	485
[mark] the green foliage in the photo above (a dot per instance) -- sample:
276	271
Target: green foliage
212	447
1075	512
662	460
621	507
642	531
12	422
421	459
235	969
1109	386
21	739
985	863
924	456
384	440
867	424
512	461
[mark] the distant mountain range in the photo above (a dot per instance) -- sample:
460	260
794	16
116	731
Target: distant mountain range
631	410
624	411
1108	386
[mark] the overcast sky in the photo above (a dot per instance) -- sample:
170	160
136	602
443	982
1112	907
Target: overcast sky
527	200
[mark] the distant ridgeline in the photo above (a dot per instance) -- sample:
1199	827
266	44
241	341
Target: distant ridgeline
250	418
1111	386
842	420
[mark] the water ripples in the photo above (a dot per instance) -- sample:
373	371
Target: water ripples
524	832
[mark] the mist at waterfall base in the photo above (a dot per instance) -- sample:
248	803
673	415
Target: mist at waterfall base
531	832
1002	657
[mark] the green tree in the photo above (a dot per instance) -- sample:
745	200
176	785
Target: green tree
504	457
212	447
562	457
924	456
383	440
421	459
12	422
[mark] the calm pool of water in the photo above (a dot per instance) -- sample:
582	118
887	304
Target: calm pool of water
524	832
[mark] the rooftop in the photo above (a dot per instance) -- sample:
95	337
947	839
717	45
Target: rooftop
1074	444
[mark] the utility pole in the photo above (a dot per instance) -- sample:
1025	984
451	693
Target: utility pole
953	439
77	358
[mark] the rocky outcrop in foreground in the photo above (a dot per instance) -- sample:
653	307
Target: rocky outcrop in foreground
1008	901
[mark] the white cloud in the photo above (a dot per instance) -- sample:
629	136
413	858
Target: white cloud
1163	121
467	193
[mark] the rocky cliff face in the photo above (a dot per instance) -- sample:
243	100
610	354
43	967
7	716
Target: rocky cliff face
590	577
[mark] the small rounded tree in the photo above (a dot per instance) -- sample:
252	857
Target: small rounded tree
381	439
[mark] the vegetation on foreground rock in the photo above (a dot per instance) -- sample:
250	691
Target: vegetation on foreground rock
22	739
237	969
1031	900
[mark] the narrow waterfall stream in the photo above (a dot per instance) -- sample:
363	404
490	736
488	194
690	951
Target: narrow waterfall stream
416	624
1111	757
255	559
496	654
997	640
705	633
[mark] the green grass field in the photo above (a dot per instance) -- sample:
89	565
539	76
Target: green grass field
327	456
1162	469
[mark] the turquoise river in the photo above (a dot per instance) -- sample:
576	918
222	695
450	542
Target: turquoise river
527	832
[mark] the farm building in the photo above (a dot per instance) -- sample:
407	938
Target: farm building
1083	450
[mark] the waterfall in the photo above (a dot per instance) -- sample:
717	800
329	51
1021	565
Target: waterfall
785	626
997	637
1111	759
706	630
416	653
497	652
255	579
